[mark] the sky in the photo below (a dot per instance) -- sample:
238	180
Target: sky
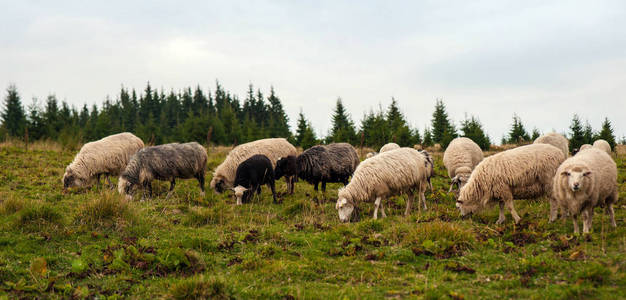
543	60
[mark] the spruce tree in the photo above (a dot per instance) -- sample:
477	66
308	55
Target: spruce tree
606	133
35	122
441	125
535	134
428	138
280	120
588	133
576	136
399	129
473	129
518	134
13	115
343	128
305	136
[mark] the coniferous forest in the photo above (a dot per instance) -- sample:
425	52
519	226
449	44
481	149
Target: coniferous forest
219	117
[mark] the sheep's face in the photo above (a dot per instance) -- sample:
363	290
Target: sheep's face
71	179
240	192
218	184
466	205
127	188
344	209
281	163
577	178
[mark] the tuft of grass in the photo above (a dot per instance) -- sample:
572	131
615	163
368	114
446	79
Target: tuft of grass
200	216
11	205
109	211
201	287
441	239
39	214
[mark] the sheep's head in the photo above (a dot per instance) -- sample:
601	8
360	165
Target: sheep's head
468	202
73	179
344	208
370	155
125	187
279	171
218	184
461	178
240	192
577	177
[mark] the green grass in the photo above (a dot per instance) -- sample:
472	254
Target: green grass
93	243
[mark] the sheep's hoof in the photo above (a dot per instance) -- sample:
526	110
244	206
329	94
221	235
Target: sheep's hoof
202	194
500	221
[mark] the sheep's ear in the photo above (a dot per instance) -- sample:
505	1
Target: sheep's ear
587	173
564	173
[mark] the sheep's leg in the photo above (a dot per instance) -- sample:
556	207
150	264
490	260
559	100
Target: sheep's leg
323	186
502	217
509	205
315	187
611	212
407	211
150	189
575	221
293	184
200	178
423	198
172	185
98	180
273	188
376	205
554	210
587	216
382	208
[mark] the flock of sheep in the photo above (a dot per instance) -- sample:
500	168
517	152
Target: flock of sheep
574	185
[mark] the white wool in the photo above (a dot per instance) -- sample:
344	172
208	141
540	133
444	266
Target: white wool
556	140
273	148
388	147
602	145
461	157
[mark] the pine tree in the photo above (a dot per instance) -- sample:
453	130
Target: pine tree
13	115
428	138
36	125
473	129
606	133
280	120
305	136
576	136
518	134
588	133
535	134
399	129
441	125
343	128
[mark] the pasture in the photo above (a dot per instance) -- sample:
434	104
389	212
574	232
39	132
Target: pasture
93	243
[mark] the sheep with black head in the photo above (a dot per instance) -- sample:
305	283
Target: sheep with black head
251	174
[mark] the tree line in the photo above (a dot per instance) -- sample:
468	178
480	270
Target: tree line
221	118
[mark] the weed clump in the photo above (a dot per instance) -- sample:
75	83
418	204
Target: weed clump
201	287
201	216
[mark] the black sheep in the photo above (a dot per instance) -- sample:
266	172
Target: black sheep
321	163
251	175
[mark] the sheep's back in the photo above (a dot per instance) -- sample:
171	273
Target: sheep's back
462	152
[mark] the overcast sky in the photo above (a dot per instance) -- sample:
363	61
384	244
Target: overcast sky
544	60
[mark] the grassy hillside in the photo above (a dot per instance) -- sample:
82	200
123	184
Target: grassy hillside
93	243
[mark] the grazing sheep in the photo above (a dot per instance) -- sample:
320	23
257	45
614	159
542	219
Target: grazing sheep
391	173
430	167
522	172
163	162
556	140
602	145
583	147
389	146
321	163
107	156
585	181
251	174
460	158
275	148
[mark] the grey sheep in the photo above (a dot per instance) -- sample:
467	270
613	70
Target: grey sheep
164	162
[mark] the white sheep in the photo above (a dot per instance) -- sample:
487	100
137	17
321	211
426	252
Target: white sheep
107	156
460	158
390	173
602	145
370	155
585	181
556	140
522	172
388	147
583	147
274	149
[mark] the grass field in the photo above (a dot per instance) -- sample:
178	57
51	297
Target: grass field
94	244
